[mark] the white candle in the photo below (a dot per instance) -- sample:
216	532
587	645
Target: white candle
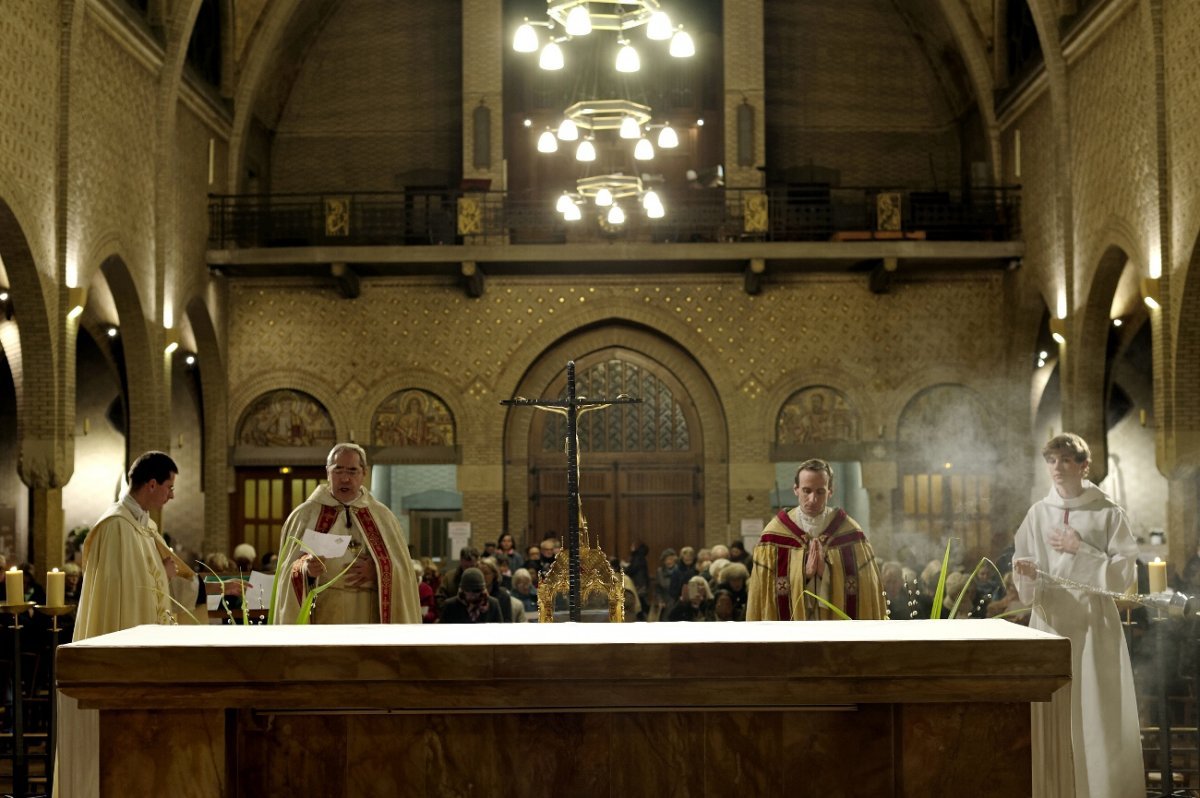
14	585
1158	576
56	582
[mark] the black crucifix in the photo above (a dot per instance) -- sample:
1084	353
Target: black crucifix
572	407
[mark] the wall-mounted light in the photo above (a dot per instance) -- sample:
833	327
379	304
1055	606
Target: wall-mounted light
172	338
1058	330
1117	322
4	295
190	359
76	299
111	332
1150	292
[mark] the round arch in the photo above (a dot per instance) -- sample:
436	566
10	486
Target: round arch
671	358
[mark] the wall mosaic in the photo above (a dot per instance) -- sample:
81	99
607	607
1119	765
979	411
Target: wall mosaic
412	418
286	418
817	415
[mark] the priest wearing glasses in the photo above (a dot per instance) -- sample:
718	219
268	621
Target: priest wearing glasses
372	578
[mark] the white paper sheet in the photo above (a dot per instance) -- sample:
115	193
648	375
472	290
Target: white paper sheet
257	594
325	544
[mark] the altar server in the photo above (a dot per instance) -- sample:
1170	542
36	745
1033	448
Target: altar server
1079	533
380	584
816	548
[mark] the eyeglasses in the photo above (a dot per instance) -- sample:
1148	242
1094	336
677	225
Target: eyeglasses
346	472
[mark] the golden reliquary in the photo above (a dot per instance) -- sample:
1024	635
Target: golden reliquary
596	576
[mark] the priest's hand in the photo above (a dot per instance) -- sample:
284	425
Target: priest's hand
361	574
1025	567
170	567
309	565
1065	540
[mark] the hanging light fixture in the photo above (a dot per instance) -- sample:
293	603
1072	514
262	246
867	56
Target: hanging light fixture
568	130
658	28
525	40
567	20
653	205
682	45
547	142
579	21
551	58
627	57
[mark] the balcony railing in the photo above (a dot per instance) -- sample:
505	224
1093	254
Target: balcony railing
798	212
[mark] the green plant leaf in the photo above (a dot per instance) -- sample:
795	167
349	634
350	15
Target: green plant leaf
831	608
1010	613
935	613
970	579
306	608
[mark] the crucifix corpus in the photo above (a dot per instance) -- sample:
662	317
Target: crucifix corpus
582	560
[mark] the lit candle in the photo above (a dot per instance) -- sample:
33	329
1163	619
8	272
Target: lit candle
56	582
1158	576
14	585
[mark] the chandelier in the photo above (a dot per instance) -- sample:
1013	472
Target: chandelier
583	119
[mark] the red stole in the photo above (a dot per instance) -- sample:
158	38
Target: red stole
374	538
827	538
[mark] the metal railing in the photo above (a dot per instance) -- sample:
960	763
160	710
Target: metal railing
796	212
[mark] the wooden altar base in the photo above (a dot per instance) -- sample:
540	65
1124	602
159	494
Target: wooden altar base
920	708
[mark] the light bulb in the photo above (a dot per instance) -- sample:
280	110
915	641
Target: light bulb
572	213
650	198
586	151
682	45
525	40
579	21
616	215
564	201
659	27
627	59
655	211
568	131
604	198
667	139
644	151
547	142
551	58
630	129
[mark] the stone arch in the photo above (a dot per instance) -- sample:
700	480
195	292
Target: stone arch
248	391
516	423
29	341
446	390
1183	396
948	422
35	457
846	382
817	414
1089	393
142	368
413	417
288	418
214	418
948	462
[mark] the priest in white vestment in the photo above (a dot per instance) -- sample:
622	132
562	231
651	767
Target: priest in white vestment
1079	533
373	581
126	569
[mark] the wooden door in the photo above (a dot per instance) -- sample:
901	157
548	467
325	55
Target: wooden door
264	499
641	476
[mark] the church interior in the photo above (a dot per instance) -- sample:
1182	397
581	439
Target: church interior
915	238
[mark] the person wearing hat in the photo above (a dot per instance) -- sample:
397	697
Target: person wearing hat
472	604
373	580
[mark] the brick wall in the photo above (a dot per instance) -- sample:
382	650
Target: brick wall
377	98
